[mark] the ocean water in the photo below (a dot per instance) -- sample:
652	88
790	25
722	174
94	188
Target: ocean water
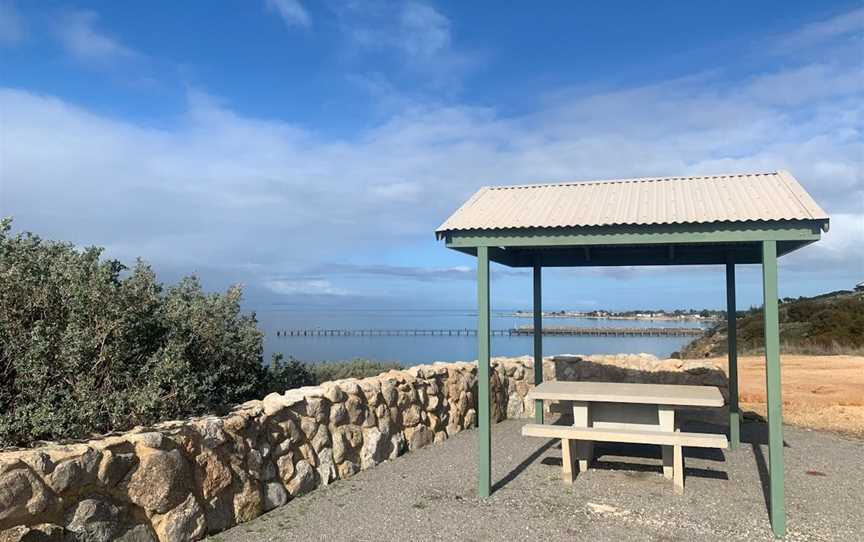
414	350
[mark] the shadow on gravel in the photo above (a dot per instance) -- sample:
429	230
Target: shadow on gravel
646	451
523	465
756	435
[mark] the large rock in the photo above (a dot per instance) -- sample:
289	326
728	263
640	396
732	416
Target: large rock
515	406
303	480
22	494
147	439
389	392
318	408
338	414
114	468
321	439
210	431
309	427
470	419
340	447
356	410
212	475
160	482
219	512
247	501
374	448
333	393
292	431
74	473
411	416
347	469
273	404
136	533
43	532
418	437
353	436
96	519
285	465
274	496
181	523
326	466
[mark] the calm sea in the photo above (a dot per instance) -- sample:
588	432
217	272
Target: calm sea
413	350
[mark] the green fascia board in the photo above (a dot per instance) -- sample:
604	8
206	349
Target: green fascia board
743	253
727	232
575	260
496	254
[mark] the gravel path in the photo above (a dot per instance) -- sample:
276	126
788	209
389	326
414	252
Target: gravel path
430	494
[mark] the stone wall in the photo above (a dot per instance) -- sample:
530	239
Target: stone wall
181	480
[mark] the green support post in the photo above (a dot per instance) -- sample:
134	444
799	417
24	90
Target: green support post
772	377
732	348
538	336
483	406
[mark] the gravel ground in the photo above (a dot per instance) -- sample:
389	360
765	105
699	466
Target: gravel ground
430	494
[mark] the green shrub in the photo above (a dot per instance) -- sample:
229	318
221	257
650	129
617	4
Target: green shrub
87	345
284	375
358	368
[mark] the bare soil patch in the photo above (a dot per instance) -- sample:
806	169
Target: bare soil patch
819	392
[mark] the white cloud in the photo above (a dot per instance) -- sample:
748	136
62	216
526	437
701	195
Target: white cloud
425	31
842	246
78	34
292	12
305	287
12	29
843	25
416	34
264	198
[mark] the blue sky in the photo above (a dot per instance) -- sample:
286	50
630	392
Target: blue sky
309	149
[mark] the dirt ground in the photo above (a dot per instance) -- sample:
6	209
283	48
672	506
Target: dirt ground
819	392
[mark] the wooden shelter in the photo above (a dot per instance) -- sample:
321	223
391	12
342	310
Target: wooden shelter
710	220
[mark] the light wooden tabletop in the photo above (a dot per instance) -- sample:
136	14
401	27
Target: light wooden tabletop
620	392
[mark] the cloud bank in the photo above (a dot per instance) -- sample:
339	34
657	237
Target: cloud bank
264	201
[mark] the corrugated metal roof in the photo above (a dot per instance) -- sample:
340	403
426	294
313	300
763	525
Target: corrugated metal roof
660	200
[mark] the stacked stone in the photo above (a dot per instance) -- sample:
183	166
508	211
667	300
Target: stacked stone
636	368
181	480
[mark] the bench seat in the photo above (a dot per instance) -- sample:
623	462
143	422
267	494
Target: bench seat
675	439
628	436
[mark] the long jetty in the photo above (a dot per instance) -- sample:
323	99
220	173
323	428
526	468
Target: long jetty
524	330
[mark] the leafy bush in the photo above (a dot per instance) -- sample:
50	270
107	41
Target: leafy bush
358	368
284	375
87	345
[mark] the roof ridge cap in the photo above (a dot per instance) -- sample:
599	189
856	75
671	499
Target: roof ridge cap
629	180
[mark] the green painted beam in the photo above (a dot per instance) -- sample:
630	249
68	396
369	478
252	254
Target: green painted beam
631	256
484	461
538	335
801	230
497	255
772	377
732	344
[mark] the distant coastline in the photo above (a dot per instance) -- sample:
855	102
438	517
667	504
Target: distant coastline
690	317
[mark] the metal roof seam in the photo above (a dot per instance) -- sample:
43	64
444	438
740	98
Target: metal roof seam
646	201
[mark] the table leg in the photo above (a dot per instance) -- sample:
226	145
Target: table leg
678	481
566	461
666	417
584	448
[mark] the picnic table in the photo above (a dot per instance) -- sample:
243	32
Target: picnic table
626	413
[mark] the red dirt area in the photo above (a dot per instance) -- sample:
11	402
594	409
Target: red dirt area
819	392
